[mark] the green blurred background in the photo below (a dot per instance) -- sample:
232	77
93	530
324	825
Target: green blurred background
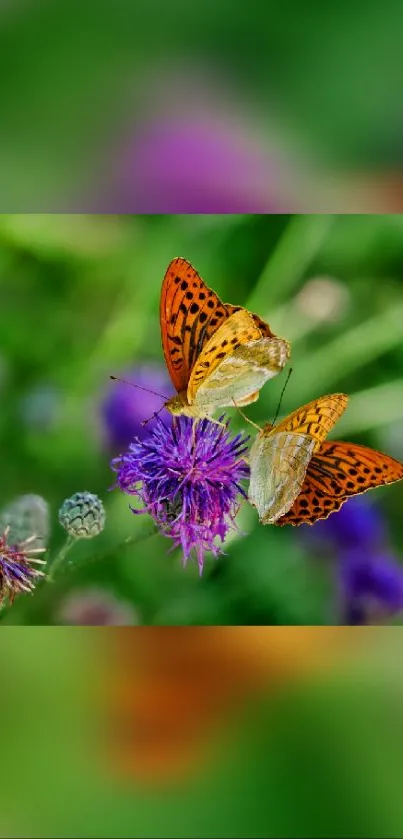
317	93
79	299
320	757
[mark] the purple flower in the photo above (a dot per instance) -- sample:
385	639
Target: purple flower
372	586
124	408
188	477
358	524
195	163
17	571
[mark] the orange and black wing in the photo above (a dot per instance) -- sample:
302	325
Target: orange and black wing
337	472
190	313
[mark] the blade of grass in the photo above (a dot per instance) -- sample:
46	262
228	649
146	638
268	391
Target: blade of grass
320	371
296	250
373	408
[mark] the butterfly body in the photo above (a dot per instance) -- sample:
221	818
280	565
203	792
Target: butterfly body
179	406
280	455
216	354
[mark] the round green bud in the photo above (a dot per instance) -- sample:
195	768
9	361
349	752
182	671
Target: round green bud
82	515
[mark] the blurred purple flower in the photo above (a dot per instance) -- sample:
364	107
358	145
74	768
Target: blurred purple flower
371	586
195	163
95	607
370	578
188	477
123	408
358	524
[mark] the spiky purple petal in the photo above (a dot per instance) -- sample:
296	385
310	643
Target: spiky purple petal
189	478
17	568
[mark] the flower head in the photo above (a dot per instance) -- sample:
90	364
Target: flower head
124	408
196	163
82	515
188	477
17	571
196	148
27	517
96	607
372	586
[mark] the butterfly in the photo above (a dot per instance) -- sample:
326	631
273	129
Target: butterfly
280	455
310	477
216	354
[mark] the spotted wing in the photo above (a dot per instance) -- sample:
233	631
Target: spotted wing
280	456
235	363
337	472
274	355
317	418
190	313
278	463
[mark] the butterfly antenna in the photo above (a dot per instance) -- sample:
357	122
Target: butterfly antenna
133	384
155	414
245	417
281	397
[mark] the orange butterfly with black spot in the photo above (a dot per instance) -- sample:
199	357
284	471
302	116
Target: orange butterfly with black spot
335	471
217	354
280	455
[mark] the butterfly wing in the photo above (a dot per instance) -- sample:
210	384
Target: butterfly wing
280	456
247	400
190	313
278	463
337	472
235	363
316	418
269	357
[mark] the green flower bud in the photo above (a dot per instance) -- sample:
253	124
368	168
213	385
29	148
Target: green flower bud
27	516
82	515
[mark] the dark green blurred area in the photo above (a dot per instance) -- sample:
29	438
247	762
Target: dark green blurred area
79	300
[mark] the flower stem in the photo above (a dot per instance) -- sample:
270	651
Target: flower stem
60	557
135	539
111	552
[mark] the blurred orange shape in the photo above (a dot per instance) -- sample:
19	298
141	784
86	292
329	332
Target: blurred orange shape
173	687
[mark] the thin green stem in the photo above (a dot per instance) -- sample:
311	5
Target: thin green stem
287	264
111	552
130	540
60	557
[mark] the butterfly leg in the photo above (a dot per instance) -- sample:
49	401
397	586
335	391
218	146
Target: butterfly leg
216	422
203	413
245	417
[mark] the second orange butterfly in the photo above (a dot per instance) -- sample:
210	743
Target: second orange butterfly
298	477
